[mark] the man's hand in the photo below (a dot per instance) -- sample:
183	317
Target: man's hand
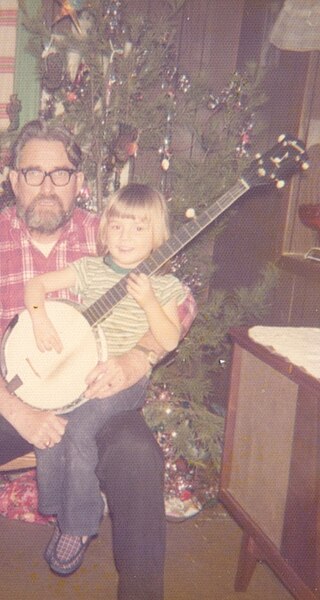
116	374
43	429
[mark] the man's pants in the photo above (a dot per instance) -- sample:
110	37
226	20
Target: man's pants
131	472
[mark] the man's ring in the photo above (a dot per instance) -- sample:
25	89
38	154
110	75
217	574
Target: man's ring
47	444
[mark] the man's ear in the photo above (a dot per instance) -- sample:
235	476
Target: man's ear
80	180
13	176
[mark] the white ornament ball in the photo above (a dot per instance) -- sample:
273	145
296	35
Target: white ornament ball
165	164
190	213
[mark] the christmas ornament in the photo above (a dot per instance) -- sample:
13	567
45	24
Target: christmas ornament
214	103
165	150
68	10
47	108
169	79
73	63
231	93
243	148
235	98
165	164
86	199
87	24
183	83
184	434
111	76
190	213
53	65
193	280
113	18
71	96
13	109
82	77
127	49
126	144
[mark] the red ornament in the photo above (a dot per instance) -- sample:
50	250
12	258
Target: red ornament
71	96
185	495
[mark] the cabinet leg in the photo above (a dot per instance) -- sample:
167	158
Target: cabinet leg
248	558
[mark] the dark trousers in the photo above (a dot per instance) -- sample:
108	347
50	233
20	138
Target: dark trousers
130	471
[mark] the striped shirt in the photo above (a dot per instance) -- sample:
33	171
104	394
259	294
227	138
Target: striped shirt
126	323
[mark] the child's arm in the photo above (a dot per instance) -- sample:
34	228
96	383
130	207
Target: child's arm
35	292
163	320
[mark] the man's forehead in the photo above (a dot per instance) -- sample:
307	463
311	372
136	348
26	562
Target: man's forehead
37	151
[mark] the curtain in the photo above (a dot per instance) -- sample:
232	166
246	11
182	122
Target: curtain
8	25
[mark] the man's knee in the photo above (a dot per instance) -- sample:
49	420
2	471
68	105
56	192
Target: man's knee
126	441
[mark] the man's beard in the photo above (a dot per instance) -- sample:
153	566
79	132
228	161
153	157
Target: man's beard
44	219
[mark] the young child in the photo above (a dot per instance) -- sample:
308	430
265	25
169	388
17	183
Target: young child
134	223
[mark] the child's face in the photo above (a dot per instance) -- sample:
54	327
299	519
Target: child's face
130	241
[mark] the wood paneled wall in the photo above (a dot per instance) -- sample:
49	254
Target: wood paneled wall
207	40
207	34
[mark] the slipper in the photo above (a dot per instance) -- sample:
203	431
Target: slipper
74	549
52	544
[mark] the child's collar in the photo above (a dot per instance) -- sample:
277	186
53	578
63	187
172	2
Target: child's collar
108	260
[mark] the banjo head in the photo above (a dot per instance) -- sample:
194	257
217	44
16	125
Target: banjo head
51	380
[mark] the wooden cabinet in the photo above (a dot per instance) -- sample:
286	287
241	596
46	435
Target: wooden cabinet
270	480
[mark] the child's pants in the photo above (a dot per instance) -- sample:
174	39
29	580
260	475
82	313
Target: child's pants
67	481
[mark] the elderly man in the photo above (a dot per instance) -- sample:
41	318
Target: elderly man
43	232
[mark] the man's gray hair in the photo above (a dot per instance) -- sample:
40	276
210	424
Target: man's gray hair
43	130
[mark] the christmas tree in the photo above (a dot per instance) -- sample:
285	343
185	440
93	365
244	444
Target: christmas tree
112	77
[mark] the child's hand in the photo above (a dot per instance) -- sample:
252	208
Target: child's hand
139	287
46	335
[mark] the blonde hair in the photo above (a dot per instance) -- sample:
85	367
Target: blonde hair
134	201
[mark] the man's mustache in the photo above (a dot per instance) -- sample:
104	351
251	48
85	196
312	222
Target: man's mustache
42	197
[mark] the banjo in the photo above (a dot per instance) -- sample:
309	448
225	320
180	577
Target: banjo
56	381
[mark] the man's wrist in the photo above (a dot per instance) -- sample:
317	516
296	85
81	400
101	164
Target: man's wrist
151	355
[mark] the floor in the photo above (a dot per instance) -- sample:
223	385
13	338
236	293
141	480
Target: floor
201	562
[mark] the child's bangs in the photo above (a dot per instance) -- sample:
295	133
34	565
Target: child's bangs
121	210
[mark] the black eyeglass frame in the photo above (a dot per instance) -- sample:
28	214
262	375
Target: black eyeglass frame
46	174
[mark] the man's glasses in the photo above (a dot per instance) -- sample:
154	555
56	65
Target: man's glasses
36	177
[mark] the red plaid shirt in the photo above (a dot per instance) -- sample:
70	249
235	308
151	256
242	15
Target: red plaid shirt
20	260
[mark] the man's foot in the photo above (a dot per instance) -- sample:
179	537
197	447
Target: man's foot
68	553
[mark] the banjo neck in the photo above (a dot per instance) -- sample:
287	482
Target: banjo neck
101	307
278	164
